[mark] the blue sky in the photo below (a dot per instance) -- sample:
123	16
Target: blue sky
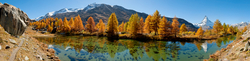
228	11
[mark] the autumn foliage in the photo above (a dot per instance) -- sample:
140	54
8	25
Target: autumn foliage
90	26
154	26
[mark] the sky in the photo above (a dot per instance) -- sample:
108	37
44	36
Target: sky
194	11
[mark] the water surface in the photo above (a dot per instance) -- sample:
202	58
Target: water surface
91	48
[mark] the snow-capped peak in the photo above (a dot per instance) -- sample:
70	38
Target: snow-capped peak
204	22
65	10
91	6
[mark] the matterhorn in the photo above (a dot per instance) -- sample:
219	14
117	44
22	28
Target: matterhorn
205	24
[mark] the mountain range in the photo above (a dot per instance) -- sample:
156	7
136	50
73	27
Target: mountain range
205	24
103	11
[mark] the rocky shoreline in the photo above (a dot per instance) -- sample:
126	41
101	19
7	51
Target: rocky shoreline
235	51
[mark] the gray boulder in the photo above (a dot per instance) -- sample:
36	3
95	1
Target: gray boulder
13	20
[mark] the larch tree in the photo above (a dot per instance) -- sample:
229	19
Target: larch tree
224	28
101	26
164	26
78	26
183	28
141	23
134	25
71	22
147	27
245	29
175	26
49	28
217	26
90	26
60	23
155	21
121	27
126	27
66	28
199	32
112	25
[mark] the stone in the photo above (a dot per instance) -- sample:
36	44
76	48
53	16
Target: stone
51	50
7	47
0	47
13	20
12	41
26	58
246	46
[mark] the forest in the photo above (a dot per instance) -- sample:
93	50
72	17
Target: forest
154	26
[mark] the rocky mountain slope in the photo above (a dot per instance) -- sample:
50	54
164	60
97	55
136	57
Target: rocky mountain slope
103	11
205	24
241	25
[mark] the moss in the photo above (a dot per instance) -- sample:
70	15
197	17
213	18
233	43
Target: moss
246	39
211	59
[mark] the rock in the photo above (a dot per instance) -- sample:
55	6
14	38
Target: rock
26	58
0	47
56	57
12	41
7	47
246	46
13	20
51	50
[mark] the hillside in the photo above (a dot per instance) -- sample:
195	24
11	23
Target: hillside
103	11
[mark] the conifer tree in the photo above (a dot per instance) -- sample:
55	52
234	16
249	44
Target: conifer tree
112	25
71	22
66	28
134	25
49	28
101	26
199	32
175	26
147	27
245	29
155	21
141	23
217	26
90	26
78	26
121	27
164	25
183	28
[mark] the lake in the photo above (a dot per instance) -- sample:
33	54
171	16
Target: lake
92	48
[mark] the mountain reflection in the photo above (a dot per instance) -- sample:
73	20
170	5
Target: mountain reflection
156	50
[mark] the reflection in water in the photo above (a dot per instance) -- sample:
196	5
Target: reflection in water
77	48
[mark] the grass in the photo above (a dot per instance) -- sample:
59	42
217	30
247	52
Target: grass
246	39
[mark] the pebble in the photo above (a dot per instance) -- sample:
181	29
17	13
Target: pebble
12	41
26	58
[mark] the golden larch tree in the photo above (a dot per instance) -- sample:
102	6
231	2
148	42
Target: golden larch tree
49	28
164	27
245	29
175	26
78	26
183	28
112	25
71	22
199	32
147	27
155	21
217	26
66	28
134	25
121	27
141	23
101	26
90	26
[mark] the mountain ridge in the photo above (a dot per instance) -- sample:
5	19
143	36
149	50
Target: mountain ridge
103	11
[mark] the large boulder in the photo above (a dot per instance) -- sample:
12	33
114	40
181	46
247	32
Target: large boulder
13	20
